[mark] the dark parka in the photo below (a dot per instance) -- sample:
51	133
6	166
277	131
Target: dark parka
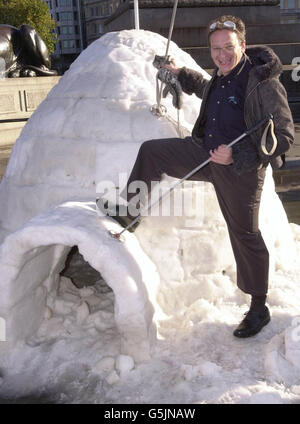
264	94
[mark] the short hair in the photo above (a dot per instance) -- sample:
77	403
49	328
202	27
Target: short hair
240	29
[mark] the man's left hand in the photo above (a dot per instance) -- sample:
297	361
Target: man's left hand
222	155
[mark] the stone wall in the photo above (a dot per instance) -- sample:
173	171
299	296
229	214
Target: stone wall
19	97
157	19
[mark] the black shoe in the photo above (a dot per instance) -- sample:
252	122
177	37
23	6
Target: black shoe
252	323
117	212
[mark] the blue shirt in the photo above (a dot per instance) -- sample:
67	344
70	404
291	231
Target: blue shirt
224	109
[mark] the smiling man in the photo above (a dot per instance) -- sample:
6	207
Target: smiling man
244	87
227	47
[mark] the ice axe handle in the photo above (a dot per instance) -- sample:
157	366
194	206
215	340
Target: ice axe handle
266	119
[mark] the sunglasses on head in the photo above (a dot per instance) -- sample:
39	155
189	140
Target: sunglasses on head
221	25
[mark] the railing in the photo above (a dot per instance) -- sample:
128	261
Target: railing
13	120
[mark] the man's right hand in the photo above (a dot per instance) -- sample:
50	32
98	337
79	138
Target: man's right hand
222	155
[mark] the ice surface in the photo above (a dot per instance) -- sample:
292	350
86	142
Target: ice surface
164	332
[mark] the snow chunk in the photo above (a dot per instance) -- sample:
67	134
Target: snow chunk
205	368
282	363
105	366
83	312
124	364
112	378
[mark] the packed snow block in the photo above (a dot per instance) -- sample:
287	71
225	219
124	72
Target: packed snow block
282	355
275	228
24	319
28	271
30	260
23	293
292	345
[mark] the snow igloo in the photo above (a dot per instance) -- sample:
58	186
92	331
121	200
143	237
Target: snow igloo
88	130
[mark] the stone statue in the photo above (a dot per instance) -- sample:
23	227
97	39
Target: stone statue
24	52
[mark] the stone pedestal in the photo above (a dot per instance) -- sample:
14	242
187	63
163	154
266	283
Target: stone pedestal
19	97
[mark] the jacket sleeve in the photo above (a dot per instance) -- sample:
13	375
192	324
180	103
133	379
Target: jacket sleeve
192	82
245	156
273	100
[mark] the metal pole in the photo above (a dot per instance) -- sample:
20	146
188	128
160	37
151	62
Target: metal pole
167	49
136	14
171	26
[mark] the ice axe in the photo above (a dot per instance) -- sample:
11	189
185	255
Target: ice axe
267	118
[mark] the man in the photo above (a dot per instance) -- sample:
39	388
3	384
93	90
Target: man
243	89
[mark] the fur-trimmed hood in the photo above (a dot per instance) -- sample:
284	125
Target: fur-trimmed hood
266	63
264	94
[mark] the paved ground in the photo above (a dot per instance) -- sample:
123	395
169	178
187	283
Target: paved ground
294	152
287	180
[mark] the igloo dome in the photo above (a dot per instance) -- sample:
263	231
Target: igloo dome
86	131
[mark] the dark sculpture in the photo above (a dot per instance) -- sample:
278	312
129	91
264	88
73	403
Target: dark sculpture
24	52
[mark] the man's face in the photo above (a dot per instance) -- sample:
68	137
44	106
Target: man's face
226	50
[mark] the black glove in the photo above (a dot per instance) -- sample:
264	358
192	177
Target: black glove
172	86
160	61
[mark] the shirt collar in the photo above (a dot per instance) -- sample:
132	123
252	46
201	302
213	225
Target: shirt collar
236	70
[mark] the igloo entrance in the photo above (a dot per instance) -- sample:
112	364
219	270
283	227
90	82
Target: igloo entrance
80	272
35	255
80	304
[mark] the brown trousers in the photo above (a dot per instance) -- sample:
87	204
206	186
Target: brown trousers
238	196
